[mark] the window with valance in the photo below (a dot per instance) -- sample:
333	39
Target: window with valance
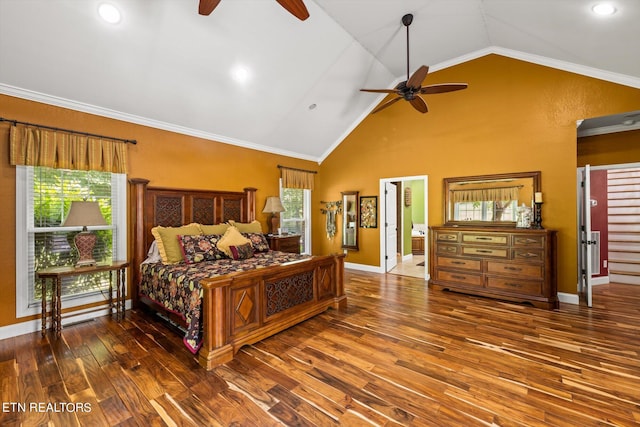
54	168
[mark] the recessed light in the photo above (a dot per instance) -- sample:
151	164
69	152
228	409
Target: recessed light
312	106
604	9
109	13
241	74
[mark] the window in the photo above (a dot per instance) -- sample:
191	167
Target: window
486	211
296	219
43	198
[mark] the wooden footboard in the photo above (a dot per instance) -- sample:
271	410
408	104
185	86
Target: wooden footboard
242	308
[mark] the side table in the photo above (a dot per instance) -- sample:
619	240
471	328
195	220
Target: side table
284	242
54	276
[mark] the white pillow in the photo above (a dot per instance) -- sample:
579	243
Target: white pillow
153	256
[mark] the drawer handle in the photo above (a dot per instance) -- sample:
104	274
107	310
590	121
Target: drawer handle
448	249
448	237
513	268
458	262
484	238
527	255
525	241
514	285
458	277
484	251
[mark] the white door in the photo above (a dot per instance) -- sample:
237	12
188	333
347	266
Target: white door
391	225
586	241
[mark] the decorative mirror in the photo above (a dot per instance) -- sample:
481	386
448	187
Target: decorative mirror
489	200
350	220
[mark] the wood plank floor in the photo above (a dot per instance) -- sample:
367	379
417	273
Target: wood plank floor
399	355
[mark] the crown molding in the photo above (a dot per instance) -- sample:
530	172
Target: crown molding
132	118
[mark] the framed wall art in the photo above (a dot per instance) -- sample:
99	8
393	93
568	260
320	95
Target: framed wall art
369	212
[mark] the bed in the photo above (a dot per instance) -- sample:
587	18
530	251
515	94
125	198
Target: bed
239	307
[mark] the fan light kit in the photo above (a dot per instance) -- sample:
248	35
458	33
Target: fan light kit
411	89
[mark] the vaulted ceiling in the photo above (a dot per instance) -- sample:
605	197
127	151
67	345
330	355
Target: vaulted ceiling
251	74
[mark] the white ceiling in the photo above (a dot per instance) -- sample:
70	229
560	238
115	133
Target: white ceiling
166	66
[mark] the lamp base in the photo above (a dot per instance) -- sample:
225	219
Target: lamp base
274	223
85	242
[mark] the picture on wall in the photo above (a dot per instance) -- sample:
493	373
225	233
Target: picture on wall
369	212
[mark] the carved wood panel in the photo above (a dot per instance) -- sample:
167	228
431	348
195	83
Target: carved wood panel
169	210
203	210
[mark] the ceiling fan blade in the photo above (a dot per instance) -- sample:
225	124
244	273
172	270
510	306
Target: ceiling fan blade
419	104
206	6
379	90
386	104
418	77
296	8
442	88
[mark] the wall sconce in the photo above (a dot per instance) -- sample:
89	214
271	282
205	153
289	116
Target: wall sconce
274	207
83	214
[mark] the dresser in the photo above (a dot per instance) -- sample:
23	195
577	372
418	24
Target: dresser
512	264
284	243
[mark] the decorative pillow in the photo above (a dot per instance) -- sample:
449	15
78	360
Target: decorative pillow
200	248
258	241
242	251
247	227
214	229
232	237
168	244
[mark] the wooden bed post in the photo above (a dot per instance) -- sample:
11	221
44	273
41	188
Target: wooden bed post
250	198
215	348
137	194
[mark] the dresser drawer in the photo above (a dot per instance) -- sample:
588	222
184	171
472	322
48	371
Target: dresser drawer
462	263
447	249
520	270
531	241
463	278
492	252
524	287
493	239
531	255
447	236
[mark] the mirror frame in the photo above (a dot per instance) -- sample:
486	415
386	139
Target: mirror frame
350	196
448	208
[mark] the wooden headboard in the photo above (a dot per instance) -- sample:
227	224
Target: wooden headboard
171	207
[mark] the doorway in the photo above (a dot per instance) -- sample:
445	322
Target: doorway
401	199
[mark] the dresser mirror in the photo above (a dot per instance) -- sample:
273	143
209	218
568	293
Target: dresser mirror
350	220
489	200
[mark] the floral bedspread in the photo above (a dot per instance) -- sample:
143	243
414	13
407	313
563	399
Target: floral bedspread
177	288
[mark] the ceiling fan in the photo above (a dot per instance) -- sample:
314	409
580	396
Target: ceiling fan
411	89
295	7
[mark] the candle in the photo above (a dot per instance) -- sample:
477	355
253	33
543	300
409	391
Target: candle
538	197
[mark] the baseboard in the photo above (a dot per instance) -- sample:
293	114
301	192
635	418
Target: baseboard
70	318
568	298
602	280
364	267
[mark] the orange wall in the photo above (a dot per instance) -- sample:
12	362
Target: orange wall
514	117
165	158
609	149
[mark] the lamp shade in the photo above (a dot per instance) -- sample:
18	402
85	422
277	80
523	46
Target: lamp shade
83	214
273	205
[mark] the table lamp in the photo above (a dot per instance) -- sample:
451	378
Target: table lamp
273	206
83	214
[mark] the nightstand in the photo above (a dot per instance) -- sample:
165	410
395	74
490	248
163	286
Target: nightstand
284	242
55	275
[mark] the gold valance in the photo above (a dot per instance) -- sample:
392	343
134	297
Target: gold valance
35	146
296	178
485	194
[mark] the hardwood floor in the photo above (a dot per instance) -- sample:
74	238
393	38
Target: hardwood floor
399	355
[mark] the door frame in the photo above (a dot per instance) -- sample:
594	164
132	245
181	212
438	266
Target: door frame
383	216
579	171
